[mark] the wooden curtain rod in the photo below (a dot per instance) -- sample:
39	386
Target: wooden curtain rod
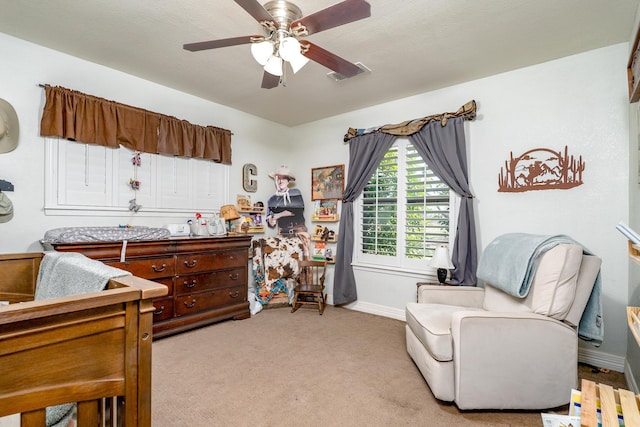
409	127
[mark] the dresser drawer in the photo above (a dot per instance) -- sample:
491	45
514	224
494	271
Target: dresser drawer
148	268
191	283
207	300
163	309
168	282
190	263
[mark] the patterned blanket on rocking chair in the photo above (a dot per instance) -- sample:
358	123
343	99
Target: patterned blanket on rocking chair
275	264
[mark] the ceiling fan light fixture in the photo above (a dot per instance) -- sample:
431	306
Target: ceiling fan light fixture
289	48
274	66
283	24
290	51
297	62
262	51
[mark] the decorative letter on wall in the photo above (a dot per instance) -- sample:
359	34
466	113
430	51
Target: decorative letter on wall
249	185
541	169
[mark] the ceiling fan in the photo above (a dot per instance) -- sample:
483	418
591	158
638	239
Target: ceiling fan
284	25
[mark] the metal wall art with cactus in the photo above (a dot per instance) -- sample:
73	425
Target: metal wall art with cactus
541	169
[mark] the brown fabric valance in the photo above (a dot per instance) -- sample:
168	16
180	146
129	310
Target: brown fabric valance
468	111
84	118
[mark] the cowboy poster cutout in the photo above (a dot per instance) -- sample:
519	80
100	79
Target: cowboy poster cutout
286	207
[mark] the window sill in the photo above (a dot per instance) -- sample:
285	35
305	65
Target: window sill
116	211
424	275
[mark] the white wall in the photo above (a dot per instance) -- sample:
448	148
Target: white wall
255	140
632	370
633	347
579	101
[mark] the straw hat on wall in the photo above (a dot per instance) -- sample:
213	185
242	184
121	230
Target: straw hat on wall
6	208
9	131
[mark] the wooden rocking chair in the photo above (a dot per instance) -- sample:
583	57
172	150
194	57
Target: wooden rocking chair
309	289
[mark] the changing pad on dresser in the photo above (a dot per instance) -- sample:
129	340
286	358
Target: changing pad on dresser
104	234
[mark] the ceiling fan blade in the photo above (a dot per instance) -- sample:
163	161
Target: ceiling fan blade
256	10
269	81
214	44
330	60
334	16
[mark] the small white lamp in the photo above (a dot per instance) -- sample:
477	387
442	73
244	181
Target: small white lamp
442	262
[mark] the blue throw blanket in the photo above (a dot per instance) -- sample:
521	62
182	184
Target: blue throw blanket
64	274
510	261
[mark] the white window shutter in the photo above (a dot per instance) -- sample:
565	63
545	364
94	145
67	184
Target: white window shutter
86	179
84	174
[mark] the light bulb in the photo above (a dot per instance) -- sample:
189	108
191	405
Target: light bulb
274	66
289	48
290	52
262	51
298	62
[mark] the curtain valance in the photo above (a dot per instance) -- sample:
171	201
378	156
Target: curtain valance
85	118
467	111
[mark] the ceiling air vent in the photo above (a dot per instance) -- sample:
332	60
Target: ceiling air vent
337	76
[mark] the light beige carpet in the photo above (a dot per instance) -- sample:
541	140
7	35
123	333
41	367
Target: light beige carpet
344	368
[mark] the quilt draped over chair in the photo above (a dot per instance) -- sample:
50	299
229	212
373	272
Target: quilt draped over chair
275	264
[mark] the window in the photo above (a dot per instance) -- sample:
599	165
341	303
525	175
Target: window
404	212
88	179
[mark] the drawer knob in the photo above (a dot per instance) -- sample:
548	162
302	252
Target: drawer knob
159	311
159	269
190	285
234	276
190	304
235	294
191	264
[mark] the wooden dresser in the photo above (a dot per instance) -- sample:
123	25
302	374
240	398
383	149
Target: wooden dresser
207	277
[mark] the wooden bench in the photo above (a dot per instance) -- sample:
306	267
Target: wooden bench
609	399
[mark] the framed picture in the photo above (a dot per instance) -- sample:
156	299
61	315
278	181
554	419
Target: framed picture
327	182
325	210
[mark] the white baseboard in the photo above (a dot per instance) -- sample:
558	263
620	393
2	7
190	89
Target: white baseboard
601	359
380	310
631	382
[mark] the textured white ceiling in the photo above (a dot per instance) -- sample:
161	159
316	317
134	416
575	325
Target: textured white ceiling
411	46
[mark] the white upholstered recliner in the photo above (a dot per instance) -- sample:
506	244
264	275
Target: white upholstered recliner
486	349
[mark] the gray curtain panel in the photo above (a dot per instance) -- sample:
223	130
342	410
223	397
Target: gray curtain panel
365	154
443	148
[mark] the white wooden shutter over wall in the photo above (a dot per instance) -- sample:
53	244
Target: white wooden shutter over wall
85	179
